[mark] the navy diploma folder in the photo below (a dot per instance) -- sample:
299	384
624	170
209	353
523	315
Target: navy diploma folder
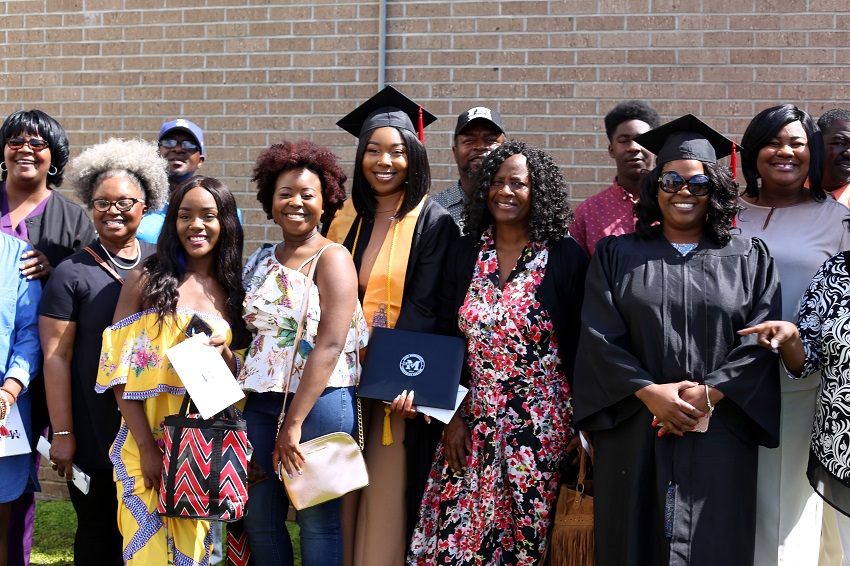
399	360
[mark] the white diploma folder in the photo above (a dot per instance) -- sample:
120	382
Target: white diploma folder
207	378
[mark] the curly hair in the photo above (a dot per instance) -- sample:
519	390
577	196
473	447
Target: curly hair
418	180
136	160
36	122
830	116
302	154
165	269
764	128
722	204
630	110
550	208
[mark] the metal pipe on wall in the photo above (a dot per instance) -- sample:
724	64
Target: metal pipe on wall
382	45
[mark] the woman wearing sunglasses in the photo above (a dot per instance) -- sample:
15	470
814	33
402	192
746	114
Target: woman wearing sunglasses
35	152
678	403
120	180
785	205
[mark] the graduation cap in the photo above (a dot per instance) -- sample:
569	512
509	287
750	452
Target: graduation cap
388	108
687	137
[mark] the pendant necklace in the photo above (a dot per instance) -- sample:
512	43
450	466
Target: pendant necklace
118	265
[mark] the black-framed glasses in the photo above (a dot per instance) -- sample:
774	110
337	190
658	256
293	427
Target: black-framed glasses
185	144
122	204
36	144
671	182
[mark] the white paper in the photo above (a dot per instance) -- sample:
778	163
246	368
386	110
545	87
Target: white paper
444	415
205	374
78	477
17	441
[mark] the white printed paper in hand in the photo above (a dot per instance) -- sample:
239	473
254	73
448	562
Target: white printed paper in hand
207	378
15	441
444	415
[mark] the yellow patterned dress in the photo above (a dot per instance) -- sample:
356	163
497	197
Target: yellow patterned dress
133	354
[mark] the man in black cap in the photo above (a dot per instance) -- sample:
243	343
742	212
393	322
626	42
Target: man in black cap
479	130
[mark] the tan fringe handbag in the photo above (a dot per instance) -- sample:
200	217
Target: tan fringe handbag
571	536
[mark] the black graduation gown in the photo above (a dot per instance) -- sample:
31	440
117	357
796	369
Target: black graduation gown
651	315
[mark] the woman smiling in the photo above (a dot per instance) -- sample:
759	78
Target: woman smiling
298	184
785	205
119	180
398	239
677	402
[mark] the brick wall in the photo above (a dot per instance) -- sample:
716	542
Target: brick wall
255	71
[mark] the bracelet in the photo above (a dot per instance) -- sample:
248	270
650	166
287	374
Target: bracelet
12	395
4	408
62	433
708	400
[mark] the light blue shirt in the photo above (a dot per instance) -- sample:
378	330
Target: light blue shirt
151	224
20	350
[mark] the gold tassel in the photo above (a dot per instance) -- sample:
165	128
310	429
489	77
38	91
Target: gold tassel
387	437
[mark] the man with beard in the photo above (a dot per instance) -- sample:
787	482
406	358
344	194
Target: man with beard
479	130
835	128
181	144
610	212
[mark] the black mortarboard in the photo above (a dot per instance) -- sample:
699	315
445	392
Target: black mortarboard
387	108
686	137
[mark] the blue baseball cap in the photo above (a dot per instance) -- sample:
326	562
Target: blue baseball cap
184	125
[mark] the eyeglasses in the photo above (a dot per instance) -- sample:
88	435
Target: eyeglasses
123	204
35	144
185	144
671	182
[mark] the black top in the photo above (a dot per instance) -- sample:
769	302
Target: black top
561	291
81	291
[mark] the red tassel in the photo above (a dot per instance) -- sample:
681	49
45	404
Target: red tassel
4	432
734	167
421	127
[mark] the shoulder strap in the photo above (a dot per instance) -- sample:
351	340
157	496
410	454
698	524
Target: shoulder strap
105	266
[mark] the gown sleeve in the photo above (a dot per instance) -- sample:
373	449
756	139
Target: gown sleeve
420	296
607	374
749	374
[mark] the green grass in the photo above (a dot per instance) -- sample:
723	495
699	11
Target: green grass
56	522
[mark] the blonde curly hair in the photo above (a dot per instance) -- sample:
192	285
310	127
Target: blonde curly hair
137	160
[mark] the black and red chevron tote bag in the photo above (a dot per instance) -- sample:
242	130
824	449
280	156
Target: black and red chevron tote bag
205	468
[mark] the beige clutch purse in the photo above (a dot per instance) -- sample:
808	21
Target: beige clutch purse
334	466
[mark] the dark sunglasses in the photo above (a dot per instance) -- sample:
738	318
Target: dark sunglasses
123	204
671	182
185	144
35	144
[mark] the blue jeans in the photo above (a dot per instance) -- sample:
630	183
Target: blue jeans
321	536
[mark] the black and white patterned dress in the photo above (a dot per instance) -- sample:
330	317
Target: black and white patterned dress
825	330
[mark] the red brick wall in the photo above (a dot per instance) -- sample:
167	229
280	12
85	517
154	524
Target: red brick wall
254	72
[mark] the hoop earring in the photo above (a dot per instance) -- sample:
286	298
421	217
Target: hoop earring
55	170
3	166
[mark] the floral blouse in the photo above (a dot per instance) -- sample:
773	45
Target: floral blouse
272	308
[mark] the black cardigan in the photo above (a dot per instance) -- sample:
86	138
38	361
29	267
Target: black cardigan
561	292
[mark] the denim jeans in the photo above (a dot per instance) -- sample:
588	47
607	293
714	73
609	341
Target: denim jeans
321	536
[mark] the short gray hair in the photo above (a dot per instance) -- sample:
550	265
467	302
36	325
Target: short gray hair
137	160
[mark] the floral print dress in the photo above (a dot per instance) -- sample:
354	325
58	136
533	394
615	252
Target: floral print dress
499	509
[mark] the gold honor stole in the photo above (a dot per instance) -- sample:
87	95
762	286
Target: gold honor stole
380	308
385	288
